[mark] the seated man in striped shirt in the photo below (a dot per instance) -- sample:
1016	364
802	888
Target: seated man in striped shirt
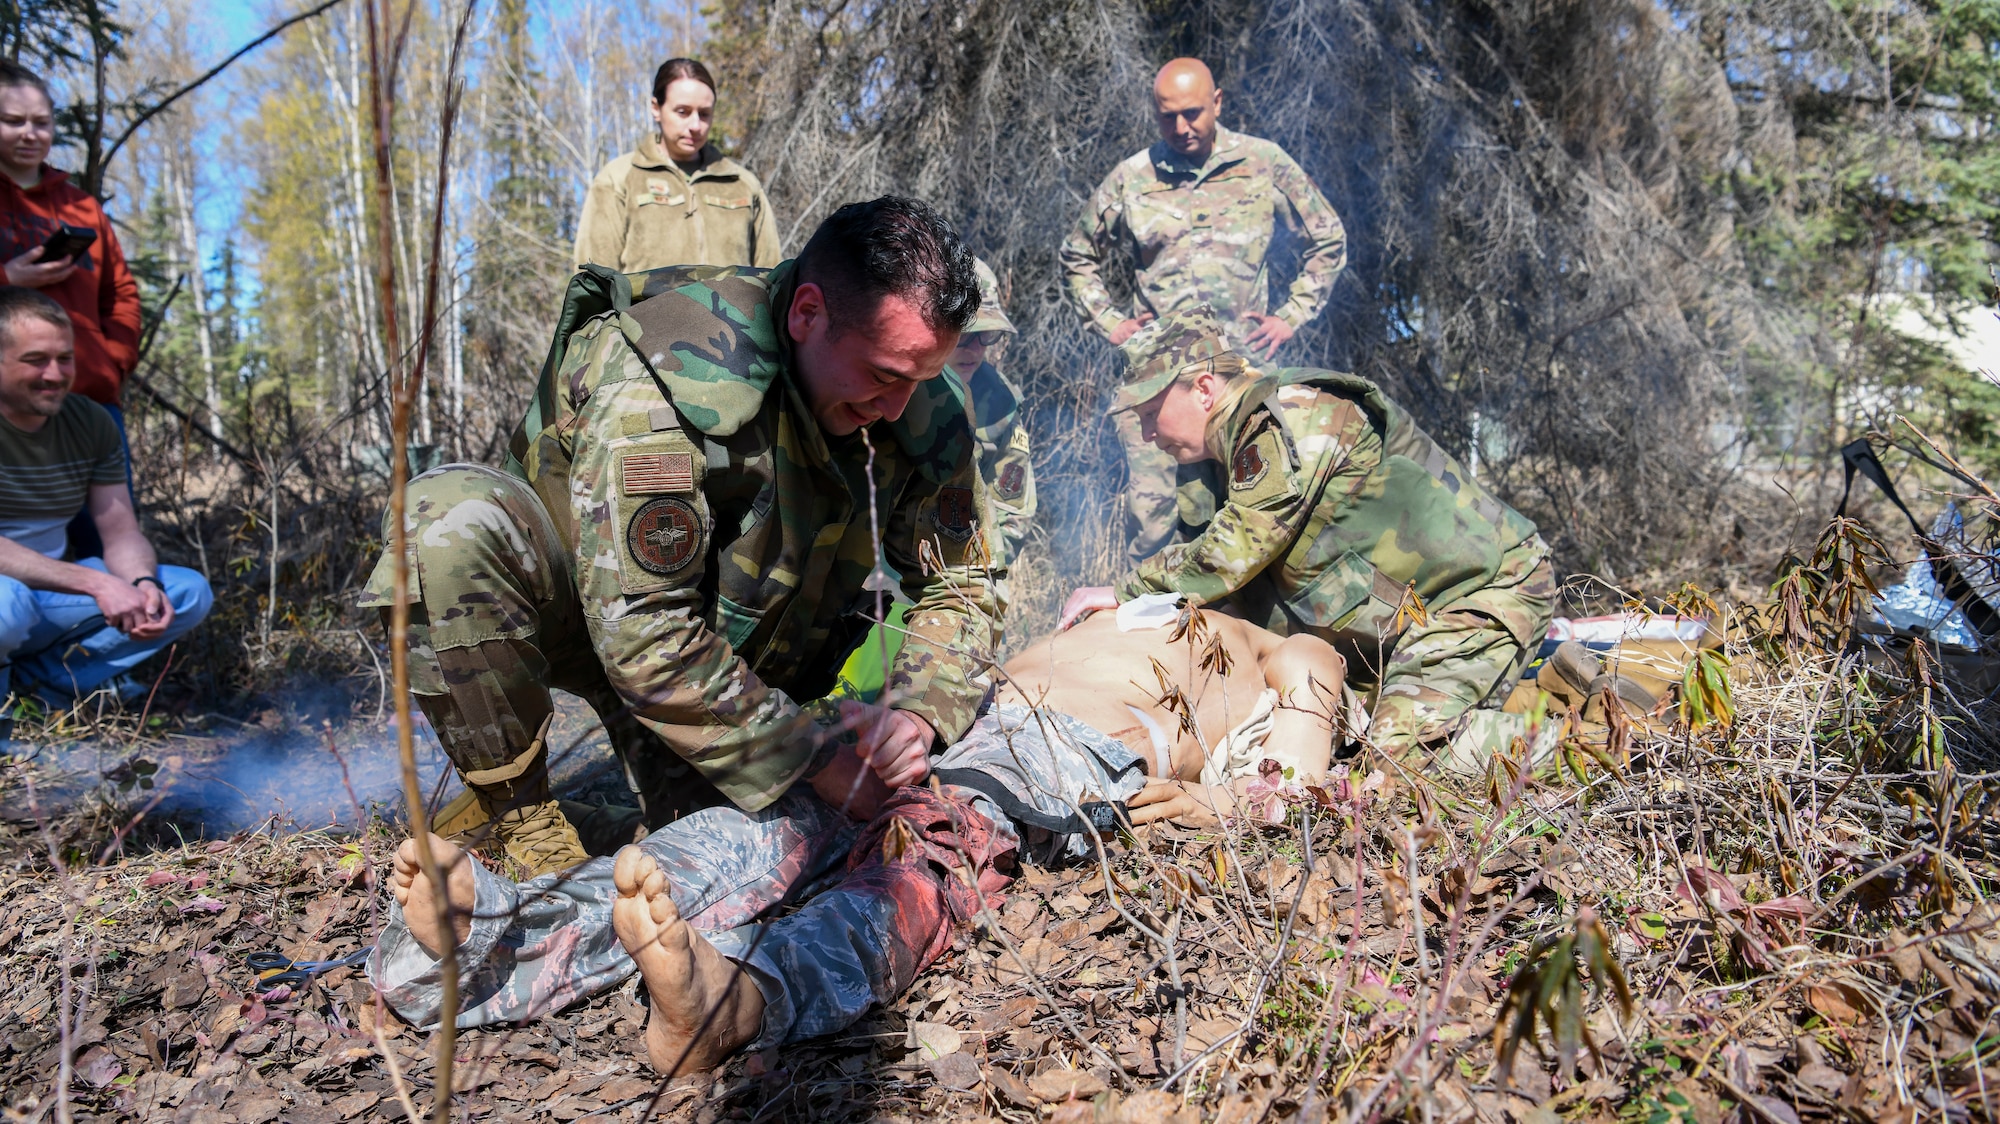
70	627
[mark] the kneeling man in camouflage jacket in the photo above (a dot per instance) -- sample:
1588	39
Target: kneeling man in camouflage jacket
723	473
1335	516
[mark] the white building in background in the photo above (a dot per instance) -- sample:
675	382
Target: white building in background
1978	349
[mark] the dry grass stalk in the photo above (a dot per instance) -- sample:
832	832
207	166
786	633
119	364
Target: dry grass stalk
385	50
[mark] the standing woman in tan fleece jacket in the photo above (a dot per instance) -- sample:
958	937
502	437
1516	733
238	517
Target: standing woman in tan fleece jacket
675	199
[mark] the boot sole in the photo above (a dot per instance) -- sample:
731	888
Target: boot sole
1637	701
1569	671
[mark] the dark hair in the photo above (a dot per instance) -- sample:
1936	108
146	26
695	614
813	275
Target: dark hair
17	302
892	245
13	75
673	70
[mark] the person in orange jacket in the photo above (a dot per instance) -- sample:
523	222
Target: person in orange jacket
94	287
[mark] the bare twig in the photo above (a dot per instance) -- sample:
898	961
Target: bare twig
384	60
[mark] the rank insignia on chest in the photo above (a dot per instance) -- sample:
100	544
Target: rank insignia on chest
1247	467
664	535
1013	481
955	512
662	192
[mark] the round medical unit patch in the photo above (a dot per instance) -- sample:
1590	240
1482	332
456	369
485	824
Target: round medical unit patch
664	535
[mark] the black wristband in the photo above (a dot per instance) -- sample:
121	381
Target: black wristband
149	578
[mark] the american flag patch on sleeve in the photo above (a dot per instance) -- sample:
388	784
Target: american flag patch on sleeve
644	474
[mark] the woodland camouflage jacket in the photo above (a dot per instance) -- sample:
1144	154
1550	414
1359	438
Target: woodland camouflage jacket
1201	235
1335	506
722	541
642	212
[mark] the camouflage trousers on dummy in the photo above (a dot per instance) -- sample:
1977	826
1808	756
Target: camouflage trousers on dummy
495	622
1443	684
880	903
873	915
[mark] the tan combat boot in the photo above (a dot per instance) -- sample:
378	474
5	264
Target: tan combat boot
537	835
512	802
461	816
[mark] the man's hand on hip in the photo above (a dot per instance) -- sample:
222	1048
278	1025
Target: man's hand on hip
30	272
1270	334
1166	799
1087	599
1125	328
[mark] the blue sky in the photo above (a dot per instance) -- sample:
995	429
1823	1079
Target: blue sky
229	25
237	19
220	27
214	29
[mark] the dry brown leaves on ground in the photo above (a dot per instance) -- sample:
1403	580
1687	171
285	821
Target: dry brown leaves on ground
1797	903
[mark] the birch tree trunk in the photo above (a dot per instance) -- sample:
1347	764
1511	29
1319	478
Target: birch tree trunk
179	169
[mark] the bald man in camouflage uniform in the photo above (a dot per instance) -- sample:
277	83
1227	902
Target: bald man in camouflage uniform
683	536
1198	211
1340	518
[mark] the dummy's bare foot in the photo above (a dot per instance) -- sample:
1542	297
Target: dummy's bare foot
705	1008
414	892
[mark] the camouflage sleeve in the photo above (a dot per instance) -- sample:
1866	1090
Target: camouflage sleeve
600	229
681	678
932	538
1083	253
1013	487
1326	250
1266	506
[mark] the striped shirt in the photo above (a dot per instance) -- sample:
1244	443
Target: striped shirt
46	476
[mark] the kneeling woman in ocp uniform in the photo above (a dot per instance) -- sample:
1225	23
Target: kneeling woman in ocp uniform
676	199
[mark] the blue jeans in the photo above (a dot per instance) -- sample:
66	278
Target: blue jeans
59	643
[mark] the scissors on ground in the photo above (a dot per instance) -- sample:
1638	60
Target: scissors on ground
275	969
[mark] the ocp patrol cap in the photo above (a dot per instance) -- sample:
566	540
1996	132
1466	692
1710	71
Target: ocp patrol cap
1163	350
992	315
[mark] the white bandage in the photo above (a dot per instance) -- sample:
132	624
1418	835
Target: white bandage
1149	610
1241	750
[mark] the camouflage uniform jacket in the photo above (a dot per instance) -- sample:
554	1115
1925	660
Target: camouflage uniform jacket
1004	461
721	541
642	212
1201	234
1335	507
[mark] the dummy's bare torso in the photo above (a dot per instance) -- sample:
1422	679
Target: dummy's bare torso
1099	675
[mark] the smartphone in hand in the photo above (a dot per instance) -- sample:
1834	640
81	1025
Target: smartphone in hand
68	242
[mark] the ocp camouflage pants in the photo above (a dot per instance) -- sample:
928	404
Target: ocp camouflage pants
875	913
1443	674
1154	504
495	622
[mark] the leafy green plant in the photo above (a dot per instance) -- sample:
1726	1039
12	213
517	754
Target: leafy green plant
134	773
1817	599
1706	697
1549	988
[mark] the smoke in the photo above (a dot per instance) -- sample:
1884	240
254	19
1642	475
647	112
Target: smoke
292	765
